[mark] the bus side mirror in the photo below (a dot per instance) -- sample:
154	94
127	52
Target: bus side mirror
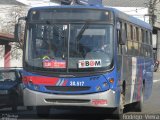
17	32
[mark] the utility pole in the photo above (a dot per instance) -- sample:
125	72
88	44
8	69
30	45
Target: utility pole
152	8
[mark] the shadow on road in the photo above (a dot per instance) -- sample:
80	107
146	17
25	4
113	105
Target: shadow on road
80	114
74	114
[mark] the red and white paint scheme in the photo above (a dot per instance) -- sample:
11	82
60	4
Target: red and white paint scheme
54	64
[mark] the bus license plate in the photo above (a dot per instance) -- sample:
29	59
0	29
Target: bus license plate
76	83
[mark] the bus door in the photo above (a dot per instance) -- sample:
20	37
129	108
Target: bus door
122	57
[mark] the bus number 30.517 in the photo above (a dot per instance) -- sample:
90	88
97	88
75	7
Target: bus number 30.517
76	83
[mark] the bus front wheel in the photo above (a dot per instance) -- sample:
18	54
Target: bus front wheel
43	111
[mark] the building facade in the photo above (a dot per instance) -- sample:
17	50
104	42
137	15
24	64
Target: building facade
10	55
155	13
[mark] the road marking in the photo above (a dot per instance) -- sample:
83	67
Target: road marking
156	81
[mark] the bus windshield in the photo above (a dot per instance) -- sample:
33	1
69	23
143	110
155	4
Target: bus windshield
73	47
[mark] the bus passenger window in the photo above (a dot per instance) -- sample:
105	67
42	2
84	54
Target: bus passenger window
147	39
137	34
140	35
122	35
131	31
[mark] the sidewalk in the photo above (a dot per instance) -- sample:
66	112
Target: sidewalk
156	76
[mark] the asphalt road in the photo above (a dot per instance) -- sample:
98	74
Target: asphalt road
151	107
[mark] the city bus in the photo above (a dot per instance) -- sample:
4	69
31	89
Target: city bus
85	56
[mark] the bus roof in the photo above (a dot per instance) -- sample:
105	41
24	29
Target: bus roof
117	13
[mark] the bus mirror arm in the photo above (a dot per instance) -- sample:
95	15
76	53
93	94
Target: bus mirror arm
17	32
22	18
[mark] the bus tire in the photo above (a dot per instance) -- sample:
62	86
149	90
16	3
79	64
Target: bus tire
42	111
139	105
118	112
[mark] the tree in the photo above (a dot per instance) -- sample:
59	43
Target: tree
8	21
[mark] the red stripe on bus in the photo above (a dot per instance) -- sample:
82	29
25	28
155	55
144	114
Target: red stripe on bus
39	80
140	84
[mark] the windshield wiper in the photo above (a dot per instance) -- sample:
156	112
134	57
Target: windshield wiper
84	27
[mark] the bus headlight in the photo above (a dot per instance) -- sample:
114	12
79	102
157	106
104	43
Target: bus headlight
98	88
36	87
105	84
30	84
33	86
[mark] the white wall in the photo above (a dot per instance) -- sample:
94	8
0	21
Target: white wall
1	55
4	13
37	3
16	58
7	27
154	39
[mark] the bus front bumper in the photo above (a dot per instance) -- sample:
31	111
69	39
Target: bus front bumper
108	99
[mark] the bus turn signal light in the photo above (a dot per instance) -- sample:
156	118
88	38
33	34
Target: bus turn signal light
111	80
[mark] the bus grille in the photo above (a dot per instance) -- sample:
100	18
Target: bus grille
67	100
68	88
